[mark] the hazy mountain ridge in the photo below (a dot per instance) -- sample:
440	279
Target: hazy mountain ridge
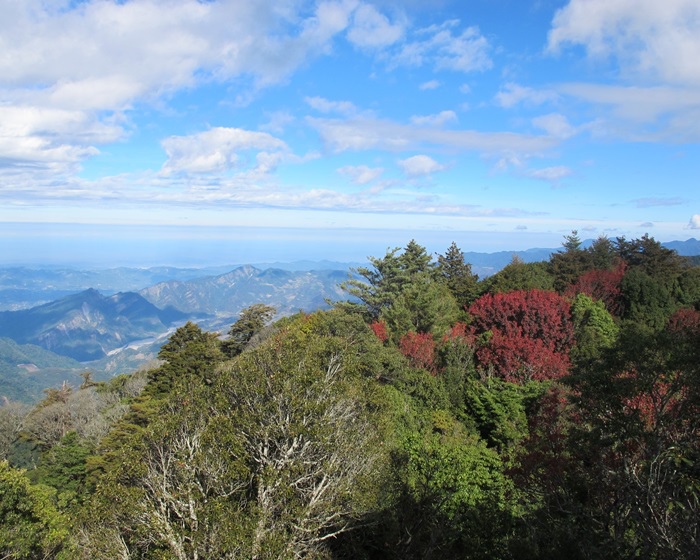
119	332
227	294
28	286
88	325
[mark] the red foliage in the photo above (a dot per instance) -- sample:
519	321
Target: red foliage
685	323
531	334
517	358
459	332
660	400
603	285
419	348
379	329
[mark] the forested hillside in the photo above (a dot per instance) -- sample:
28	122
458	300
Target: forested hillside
551	410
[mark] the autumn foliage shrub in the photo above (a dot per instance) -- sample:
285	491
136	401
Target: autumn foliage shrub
419	348
380	331
603	285
529	334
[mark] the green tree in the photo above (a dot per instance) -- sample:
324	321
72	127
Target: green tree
251	321
457	275
424	306
30	525
567	265
647	300
451	496
63	467
595	329
602	254
378	287
307	436
190	352
639	411
652	258
518	275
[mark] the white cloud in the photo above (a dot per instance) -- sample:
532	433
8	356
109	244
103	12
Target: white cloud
24	141
555	125
694	222
323	105
420	165
365	133
76	67
467	51
641	104
512	94
220	149
550	174
372	29
647	37
439	119
361	174
430	84
661	113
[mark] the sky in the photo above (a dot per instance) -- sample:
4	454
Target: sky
204	131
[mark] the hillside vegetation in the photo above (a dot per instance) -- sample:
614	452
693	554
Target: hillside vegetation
551	410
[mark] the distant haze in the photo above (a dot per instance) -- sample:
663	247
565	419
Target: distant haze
145	246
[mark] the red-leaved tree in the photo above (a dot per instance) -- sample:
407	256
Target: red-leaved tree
380	330
603	285
531	333
419	348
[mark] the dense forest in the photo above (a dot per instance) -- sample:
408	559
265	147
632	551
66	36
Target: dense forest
551	410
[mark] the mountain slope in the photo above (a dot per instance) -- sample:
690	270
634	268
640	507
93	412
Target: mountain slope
88	325
26	370
227	294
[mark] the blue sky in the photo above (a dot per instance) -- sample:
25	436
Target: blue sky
329	129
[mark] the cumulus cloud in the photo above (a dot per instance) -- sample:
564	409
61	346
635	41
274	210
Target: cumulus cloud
220	149
646	37
418	166
74	68
361	174
439	119
372	29
24	141
694	222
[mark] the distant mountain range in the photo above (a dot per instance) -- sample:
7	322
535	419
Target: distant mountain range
116	332
225	295
88	325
